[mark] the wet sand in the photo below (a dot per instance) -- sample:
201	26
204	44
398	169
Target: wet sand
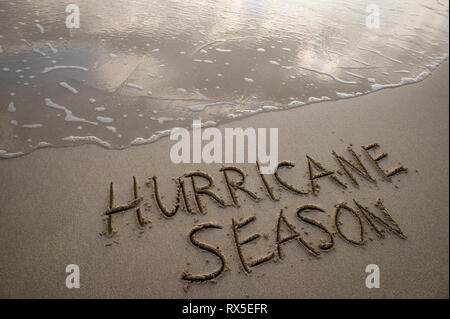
135	69
53	201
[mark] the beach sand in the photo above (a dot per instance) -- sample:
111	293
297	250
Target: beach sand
52	205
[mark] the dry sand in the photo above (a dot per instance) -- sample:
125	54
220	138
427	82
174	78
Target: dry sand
52	203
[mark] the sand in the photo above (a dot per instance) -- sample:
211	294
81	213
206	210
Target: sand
52	205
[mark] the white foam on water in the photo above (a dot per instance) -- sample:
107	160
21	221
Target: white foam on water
402	71
313	99
270	107
69	116
53	49
5	154
355	75
92	100
11	107
344	95
112	129
181	90
307	67
104	119
60	67
422	76
249	80
89	139
100	109
438	61
202	107
43	144
209	123
274	62
152	138
41	28
32	125
295	103
261	50
68	87
249	111
202	124
134	86
223	50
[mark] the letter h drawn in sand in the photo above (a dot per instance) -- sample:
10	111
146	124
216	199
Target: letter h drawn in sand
122	208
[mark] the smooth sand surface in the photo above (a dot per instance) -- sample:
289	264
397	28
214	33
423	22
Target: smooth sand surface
52	204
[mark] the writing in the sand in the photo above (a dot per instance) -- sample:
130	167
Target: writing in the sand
348	174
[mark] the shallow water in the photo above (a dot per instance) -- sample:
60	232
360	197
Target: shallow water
135	69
